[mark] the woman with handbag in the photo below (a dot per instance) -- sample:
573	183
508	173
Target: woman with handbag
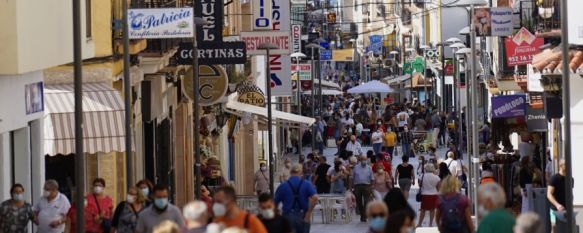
104	205
429	195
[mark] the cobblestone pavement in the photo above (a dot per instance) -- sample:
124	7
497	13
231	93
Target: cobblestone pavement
356	226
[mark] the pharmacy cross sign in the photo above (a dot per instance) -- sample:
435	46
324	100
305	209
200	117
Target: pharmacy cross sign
211	48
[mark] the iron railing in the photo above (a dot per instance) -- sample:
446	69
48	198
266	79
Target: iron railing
547	16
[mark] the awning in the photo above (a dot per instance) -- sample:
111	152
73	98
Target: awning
327	84
325	92
103	118
235	107
418	80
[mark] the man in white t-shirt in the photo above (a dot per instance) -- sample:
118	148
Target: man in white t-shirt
377	140
354	146
50	210
402	119
454	166
525	149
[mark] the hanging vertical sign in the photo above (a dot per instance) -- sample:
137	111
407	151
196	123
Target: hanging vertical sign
296	31
280	64
262	14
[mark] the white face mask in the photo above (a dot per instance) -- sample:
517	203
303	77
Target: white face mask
46	193
97	189
263	168
482	211
131	199
268	213
219	209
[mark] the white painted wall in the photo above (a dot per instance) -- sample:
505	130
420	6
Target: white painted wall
577	136
12	100
38	34
575	22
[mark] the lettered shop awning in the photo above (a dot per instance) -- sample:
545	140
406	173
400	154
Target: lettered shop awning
103	119
235	107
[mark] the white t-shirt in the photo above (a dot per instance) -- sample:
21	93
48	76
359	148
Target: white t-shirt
402	118
377	137
51	211
454	166
430	181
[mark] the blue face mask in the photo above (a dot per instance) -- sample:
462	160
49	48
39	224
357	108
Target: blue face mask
146	191
161	203
377	224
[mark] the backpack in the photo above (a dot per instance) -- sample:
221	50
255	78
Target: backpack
452	217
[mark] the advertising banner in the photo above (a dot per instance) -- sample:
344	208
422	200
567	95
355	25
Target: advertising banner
305	71
521	48
326	55
536	117
508	106
256	38
296	31
160	23
494	21
376	44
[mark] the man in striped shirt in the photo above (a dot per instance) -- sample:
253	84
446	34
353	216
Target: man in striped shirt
406	140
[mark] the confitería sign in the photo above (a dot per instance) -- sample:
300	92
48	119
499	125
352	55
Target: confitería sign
160	23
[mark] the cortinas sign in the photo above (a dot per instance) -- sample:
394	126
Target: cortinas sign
160	23
251	94
211	48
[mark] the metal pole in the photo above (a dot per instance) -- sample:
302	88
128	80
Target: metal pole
299	105
425	80
321	100
78	82
443	103
567	111
269	120
127	98
195	116
474	159
313	100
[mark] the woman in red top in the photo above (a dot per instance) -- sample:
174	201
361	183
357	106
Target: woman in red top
90	214
104	205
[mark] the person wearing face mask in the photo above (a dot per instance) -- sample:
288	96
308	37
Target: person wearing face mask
227	212
377	140
354	146
491	203
377	212
261	179
400	222
269	216
104	205
51	209
284	175
406	140
90	214
382	181
405	176
145	187
158	212
362	178
125	217
196	216
390	140
298	198
453	209
15	213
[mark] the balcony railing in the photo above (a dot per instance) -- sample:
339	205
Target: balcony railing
158	3
543	18
160	46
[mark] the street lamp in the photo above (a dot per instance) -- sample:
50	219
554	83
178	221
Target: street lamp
410	54
394	54
424	48
267	47
197	21
313	46
297	56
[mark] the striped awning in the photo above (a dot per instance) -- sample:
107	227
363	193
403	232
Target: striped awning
103	118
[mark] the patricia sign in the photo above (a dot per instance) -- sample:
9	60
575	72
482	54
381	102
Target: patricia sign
160	23
508	106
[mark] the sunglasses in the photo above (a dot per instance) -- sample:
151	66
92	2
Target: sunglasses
382	215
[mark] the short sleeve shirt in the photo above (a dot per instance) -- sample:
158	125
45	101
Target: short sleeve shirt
149	218
429	185
254	225
362	175
14	219
284	193
51	211
497	221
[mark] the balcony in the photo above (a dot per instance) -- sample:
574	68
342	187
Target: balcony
542	17
158	3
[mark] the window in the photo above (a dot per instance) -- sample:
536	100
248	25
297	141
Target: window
88	28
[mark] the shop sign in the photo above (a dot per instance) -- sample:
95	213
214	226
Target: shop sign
210	54
417	65
331	17
34	98
262	14
296	32
251	94
536	118
376	44
306	85
256	38
157	23
508	106
521	48
305	71
493	21
326	55
213	84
